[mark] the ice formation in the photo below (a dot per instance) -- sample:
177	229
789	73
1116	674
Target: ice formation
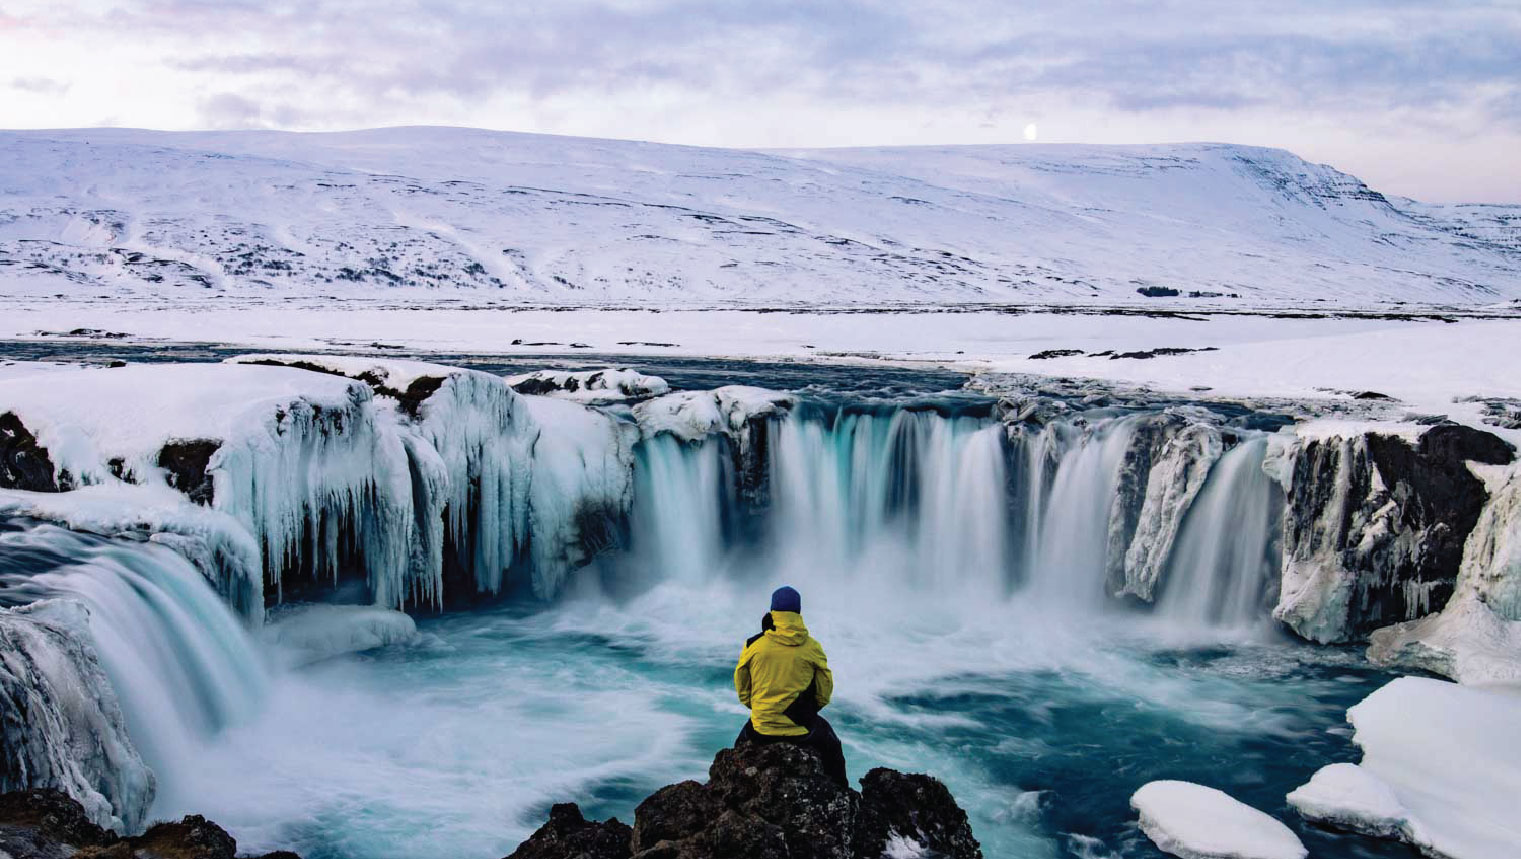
1197	822
61	725
692	416
1376	525
312	632
1476	638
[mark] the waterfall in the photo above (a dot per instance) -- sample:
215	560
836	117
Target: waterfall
914	502
1222	567
182	664
1070	547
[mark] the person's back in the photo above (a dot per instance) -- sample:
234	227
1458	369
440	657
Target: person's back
783	677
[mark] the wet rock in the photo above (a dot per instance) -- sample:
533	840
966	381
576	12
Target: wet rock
569	835
1375	528
772	802
193	837
186	462
914	808
48	824
44	824
24	464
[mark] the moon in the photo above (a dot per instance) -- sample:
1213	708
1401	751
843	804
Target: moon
1031	131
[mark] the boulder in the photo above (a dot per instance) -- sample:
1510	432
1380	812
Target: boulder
570	835
913	807
772	802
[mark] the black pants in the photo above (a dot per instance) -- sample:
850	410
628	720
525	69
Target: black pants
820	737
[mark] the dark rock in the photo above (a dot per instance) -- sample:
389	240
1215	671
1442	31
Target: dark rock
1055	353
1155	353
569	835
1371	395
43	824
410	400
914	807
48	824
24	464
193	837
186	461
1392	514
769	802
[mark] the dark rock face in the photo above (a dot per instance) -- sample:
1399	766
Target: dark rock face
569	835
43	824
24	464
1391	516
769	802
187	461
911	806
48	824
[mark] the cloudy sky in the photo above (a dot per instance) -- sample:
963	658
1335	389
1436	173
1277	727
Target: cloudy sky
1418	98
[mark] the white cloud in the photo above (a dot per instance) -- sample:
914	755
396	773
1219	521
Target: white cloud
1406	93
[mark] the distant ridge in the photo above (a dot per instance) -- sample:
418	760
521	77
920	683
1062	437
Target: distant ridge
425	214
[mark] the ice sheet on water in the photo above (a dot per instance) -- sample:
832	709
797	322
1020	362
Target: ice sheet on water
1197	822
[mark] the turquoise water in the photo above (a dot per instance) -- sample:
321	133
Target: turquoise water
457	747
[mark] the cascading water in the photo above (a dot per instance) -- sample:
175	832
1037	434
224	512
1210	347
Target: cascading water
948	561
919	502
182	665
1222	566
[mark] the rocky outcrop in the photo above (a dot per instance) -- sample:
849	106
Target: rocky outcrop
47	824
1477	637
24	464
1375	527
770	802
568	834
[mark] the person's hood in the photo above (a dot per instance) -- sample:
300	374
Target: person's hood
790	629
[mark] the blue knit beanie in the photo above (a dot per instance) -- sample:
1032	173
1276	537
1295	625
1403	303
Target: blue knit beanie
786	599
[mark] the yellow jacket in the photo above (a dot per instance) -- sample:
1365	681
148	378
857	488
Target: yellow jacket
775	669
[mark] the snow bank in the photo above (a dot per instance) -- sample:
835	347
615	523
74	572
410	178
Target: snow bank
62	726
1448	755
693	415
1198	822
1467	641
590	386
384	374
314	632
87	419
1347	796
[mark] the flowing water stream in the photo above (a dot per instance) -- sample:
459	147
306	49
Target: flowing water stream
955	577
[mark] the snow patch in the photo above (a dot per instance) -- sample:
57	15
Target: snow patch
1347	796
1197	822
1451	757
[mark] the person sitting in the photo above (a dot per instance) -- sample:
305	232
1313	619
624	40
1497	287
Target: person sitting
784	679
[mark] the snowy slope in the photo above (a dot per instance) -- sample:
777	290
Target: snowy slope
425	215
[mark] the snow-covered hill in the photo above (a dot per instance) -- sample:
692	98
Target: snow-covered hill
433	214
